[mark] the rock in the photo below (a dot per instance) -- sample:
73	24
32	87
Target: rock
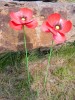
12	40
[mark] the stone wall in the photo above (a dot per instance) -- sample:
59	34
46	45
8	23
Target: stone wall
12	40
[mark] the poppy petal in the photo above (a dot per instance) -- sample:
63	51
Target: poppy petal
53	19
44	27
15	17
15	26
26	13
32	24
59	38
66	26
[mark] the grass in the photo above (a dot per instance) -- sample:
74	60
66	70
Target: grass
10	59
60	82
70	0
67	0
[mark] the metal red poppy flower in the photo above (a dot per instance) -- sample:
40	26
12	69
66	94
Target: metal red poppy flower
57	26
21	18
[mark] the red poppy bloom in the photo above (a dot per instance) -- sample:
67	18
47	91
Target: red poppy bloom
21	18
57	26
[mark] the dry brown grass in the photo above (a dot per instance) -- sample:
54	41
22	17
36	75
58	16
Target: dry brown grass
60	81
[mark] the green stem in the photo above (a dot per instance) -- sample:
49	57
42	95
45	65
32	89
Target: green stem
49	59
26	56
